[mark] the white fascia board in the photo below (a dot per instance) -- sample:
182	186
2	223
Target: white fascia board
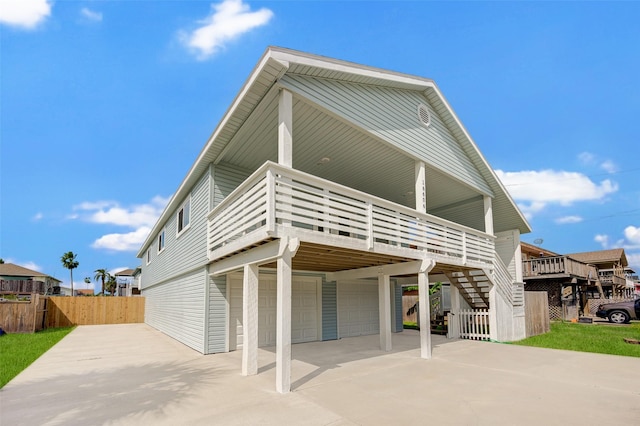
197	167
292	56
265	253
482	158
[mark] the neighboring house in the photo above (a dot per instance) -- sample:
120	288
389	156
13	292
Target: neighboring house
612	265
571	279
325	185
18	279
125	281
85	292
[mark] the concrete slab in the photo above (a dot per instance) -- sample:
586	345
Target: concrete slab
132	375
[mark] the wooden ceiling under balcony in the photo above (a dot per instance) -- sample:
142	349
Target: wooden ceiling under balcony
322	258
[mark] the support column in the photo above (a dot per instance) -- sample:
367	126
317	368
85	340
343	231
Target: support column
283	323
421	187
454	316
285	125
384	309
250	320
424	320
493	314
488	215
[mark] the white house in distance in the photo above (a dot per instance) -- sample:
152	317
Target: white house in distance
325	184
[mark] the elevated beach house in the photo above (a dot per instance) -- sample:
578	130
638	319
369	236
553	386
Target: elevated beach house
324	184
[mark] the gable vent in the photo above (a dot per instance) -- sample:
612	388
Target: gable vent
424	115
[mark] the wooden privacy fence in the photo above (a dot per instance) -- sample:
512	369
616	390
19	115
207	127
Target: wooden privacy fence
66	311
23	317
474	324
536	313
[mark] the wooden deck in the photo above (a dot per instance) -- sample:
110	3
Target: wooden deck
558	267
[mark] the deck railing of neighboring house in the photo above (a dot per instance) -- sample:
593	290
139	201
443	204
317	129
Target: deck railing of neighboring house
22	286
275	199
612	279
558	265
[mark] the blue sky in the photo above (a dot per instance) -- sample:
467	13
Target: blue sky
106	104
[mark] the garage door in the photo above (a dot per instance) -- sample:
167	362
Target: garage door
304	310
358	308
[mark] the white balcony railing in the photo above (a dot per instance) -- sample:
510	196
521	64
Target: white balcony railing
276	201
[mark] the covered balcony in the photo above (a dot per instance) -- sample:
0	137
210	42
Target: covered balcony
338	227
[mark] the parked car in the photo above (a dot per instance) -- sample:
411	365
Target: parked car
620	312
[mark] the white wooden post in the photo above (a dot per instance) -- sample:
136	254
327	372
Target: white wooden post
384	308
493	314
424	312
454	316
250	320
285	124
420	187
488	215
283	323
271	201
370	238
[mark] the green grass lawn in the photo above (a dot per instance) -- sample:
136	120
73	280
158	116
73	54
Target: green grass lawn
602	339
18	351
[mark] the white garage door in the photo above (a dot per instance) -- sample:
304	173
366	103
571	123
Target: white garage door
304	310
357	309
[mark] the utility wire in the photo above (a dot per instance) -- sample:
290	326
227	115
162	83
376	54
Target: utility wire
575	178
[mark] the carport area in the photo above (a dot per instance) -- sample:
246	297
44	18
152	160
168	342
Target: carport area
133	374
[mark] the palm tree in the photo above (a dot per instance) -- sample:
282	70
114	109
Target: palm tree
69	262
102	275
112	285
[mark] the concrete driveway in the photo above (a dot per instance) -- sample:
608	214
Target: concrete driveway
135	375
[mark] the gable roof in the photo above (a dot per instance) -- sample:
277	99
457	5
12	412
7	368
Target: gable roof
267	77
601	256
10	269
125	273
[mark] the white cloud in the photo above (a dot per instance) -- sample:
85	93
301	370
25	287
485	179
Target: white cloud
37	217
586	158
29	264
568	219
90	14
632	235
24	13
228	20
634	261
138	217
609	166
111	212
130	241
603	240
534	190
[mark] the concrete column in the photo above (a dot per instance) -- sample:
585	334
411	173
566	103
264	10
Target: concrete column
454	316
424	319
283	323
488	215
285	125
250	320
384	309
421	187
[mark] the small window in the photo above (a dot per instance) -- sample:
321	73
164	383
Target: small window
161	241
184	216
148	256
